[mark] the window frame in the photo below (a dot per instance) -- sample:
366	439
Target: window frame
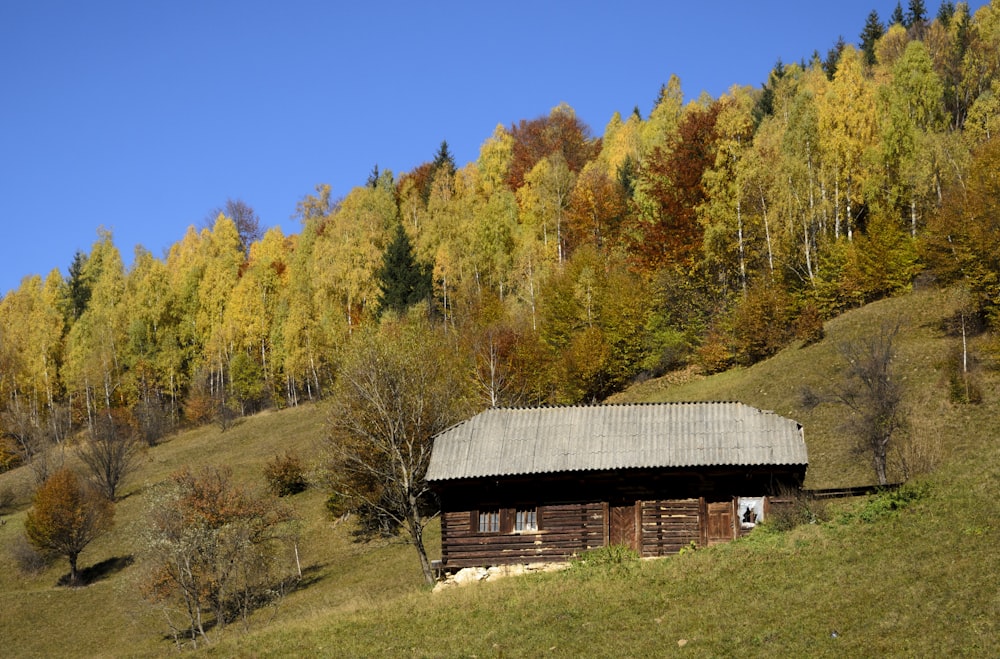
525	519
499	520
488	521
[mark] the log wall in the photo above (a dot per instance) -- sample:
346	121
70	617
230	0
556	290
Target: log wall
667	526
564	530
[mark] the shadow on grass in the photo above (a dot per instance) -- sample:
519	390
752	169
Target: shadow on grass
311	574
98	572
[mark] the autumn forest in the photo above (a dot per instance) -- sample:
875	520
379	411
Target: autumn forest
560	266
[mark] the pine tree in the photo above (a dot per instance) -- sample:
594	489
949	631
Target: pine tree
79	286
898	18
765	104
443	158
833	58
945	13
402	280
870	35
916	15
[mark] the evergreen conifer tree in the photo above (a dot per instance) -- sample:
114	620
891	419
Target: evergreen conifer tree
945	13
402	280
79	286
898	18
443	158
870	35
833	58
916	15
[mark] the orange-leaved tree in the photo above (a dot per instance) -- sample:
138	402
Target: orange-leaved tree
67	515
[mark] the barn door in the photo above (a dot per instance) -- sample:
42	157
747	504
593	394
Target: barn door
721	522
622	525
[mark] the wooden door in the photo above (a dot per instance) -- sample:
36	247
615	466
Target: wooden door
721	522
622	526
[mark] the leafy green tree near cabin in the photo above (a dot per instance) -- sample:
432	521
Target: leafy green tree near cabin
399	387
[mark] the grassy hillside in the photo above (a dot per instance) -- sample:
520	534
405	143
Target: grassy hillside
869	581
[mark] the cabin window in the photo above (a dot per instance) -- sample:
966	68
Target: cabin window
489	521
526	519
751	511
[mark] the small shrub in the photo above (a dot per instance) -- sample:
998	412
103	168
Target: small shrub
153	421
285	475
337	505
688	548
199	409
808	325
887	503
714	354
29	560
10	457
7	499
612	558
760	324
793	508
917	454
225	417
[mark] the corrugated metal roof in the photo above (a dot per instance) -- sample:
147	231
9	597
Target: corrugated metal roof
509	441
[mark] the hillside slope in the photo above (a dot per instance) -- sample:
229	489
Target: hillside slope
778	383
867	581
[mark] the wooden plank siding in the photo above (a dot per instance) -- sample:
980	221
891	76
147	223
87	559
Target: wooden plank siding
669	526
656	512
665	527
564	530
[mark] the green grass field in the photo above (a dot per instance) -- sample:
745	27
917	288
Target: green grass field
868	581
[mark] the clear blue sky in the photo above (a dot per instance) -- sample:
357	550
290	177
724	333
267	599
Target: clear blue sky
142	116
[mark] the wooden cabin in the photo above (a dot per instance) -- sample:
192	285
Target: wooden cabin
542	484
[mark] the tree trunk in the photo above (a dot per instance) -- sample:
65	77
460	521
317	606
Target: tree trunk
416	528
880	466
74	573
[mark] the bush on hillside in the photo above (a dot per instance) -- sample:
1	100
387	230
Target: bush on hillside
29	561
760	323
285	475
610	558
793	507
888	502
808	326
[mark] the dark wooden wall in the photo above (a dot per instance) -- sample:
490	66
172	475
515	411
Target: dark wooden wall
671	510
669	526
666	527
564	530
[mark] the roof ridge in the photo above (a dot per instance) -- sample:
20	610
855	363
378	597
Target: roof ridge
564	406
